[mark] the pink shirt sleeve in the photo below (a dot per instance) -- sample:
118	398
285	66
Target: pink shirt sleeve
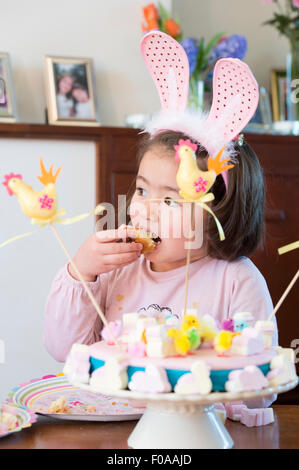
69	314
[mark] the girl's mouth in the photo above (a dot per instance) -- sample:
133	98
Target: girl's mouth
148	240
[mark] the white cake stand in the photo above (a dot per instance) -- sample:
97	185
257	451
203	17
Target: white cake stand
173	421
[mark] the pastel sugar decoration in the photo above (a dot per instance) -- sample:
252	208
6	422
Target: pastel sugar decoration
220	412
129	321
247	379
195	382
256	417
282	370
249	342
228	325
142	325
137	349
289	352
233	410
115	327
152	380
267	329
112	376
77	364
158	343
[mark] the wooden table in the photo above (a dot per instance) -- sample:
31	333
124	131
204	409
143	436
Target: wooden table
50	433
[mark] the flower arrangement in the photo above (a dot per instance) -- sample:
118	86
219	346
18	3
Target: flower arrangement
286	18
286	21
202	55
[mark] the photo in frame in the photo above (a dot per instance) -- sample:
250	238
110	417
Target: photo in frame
8	112
279	94
70	91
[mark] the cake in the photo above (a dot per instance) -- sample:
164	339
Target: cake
149	241
192	355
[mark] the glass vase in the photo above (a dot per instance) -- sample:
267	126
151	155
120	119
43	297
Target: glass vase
293	82
196	94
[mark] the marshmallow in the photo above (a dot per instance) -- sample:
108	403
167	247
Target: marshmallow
257	417
113	375
233	410
137	349
267	329
196	381
247	379
158	344
77	364
153	380
282	370
250	341
115	327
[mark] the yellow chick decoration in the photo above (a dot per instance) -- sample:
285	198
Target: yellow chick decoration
41	206
223	341
189	321
192	181
181	342
207	330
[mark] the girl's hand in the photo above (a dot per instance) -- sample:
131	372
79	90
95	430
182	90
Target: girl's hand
105	251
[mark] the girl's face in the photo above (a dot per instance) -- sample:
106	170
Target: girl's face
65	84
80	95
166	218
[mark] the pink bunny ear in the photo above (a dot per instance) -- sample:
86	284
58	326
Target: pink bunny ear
235	98
168	65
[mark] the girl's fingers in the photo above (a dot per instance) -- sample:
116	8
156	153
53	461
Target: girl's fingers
117	259
106	236
114	248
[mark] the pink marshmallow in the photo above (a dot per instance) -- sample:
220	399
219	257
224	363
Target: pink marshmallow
247	379
257	417
153	380
136	349
115	327
233	410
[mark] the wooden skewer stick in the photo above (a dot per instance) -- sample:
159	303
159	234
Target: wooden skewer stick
188	260
284	294
87	289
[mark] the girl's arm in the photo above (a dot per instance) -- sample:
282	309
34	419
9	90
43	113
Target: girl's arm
70	316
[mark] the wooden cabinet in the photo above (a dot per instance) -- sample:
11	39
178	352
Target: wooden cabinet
279	157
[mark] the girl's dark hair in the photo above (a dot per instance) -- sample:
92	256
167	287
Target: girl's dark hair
240	210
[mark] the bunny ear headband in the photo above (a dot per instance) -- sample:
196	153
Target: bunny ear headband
235	96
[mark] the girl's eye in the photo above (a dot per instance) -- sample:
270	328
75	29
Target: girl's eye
170	202
141	191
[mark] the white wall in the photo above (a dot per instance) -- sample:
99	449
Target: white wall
28	266
204	18
107	31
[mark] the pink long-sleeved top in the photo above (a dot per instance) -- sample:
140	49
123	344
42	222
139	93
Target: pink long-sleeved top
216	287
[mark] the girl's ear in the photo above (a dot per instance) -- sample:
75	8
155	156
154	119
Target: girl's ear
235	98
168	65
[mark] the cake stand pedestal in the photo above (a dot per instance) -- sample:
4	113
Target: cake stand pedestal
173	421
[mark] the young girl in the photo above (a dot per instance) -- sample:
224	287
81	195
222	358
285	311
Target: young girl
222	279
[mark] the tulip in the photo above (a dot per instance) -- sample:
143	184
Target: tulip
172	28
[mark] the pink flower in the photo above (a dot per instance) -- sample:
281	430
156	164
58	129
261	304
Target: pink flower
295	3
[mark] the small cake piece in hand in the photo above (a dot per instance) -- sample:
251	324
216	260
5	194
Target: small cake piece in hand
147	240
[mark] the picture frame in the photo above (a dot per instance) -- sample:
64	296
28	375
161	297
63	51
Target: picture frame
8	110
70	91
279	94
